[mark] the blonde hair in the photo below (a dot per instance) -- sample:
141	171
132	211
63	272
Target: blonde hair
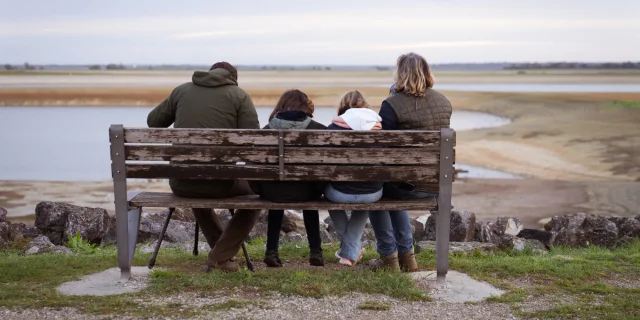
413	75
352	99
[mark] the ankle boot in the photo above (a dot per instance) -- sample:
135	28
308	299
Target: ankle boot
271	259
316	258
389	262
408	262
227	266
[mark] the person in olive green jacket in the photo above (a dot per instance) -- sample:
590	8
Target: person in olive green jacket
212	100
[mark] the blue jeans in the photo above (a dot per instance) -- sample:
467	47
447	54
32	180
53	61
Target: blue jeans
392	230
350	230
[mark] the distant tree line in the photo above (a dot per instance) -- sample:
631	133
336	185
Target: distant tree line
25	66
574	65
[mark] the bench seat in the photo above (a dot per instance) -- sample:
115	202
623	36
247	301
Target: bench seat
169	200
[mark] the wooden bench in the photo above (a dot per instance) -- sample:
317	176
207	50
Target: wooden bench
424	158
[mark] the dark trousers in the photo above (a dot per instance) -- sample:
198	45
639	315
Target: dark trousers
224	242
311	224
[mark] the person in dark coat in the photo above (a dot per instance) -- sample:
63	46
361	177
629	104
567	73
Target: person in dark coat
212	99
294	111
412	105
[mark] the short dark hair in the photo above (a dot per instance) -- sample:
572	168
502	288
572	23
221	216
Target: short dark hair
227	66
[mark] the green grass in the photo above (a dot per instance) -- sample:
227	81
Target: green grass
30	281
624	104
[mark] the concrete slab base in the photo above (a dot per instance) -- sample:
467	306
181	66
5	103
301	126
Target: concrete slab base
458	287
107	283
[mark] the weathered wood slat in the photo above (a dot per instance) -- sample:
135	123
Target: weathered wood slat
302	155
166	200
363	138
224	137
292	172
229	137
218	154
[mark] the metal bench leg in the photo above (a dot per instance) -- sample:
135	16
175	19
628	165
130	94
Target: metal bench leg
244	250
195	240
152	261
443	219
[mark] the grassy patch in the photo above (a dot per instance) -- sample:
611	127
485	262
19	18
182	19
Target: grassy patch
578	272
624	104
30	281
374	305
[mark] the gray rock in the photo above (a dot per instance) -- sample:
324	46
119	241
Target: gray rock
463	226
465	247
559	223
484	233
368	234
638	217
91	223
183	214
600	231
293	222
177	231
3	215
39	245
513	243
627	227
292	237
52	215
582	230
260	228
20	231
109	236
419	227
507	225
5	234
52	221
332	229
325	235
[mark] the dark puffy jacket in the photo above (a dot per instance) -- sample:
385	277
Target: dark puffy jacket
211	100
284	191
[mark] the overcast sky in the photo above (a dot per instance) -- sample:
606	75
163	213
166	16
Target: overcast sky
317	32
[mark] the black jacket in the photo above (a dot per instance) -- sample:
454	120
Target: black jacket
281	191
354	187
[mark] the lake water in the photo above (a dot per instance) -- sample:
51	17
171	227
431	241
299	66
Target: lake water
72	143
482	87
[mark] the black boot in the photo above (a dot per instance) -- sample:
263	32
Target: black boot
315	258
271	259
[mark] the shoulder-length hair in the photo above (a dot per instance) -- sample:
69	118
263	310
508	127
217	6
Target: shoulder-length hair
413	75
352	99
291	100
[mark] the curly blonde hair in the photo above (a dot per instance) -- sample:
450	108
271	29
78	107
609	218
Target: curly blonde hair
413	75
352	99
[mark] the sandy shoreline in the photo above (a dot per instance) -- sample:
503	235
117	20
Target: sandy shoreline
576	152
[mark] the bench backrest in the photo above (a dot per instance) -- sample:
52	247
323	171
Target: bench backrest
287	155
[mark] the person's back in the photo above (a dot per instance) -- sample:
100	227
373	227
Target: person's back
212	100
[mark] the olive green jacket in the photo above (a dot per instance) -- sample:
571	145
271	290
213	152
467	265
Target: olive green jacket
211	100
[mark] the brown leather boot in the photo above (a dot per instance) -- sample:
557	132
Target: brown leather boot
408	262
389	262
226	266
